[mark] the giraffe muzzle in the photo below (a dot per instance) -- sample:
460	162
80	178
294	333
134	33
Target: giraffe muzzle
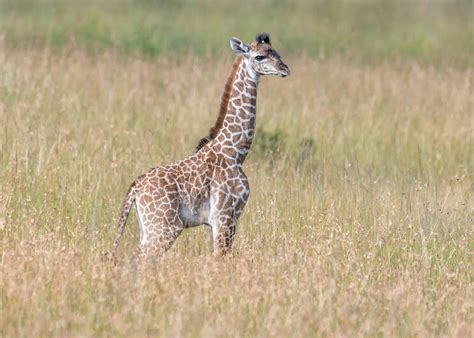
284	70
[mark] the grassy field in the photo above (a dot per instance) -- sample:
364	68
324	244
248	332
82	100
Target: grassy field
360	220
367	31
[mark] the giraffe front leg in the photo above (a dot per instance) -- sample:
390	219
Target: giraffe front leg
223	232
227	204
224	222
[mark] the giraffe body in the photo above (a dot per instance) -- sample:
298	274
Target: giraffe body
208	187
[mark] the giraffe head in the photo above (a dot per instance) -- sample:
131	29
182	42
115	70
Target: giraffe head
261	56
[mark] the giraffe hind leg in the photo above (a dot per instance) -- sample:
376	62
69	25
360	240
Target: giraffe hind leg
140	222
157	246
158	230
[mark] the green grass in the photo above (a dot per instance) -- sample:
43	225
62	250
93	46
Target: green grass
367	31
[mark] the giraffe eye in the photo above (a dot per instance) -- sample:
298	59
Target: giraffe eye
259	57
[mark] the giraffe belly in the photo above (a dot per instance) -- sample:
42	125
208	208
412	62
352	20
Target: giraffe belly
192	217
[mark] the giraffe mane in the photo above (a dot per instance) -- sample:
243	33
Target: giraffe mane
223	107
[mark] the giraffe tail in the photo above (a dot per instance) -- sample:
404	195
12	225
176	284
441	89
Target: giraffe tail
127	206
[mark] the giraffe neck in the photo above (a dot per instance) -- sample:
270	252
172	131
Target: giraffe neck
239	101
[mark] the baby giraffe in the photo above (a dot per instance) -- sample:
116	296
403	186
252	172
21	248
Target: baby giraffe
208	187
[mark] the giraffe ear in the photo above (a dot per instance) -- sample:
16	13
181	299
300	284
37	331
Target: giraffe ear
238	46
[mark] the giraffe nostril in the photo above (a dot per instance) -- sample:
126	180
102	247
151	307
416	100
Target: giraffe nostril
284	68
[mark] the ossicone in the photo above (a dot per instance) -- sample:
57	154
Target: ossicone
262	38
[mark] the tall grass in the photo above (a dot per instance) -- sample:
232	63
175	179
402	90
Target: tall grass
359	222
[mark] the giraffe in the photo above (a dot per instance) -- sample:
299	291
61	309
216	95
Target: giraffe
208	187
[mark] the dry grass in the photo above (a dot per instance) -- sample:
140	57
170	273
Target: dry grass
359	222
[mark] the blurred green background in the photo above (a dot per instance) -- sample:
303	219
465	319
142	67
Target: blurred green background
433	32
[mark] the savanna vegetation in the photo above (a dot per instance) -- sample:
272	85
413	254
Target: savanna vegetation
360	220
